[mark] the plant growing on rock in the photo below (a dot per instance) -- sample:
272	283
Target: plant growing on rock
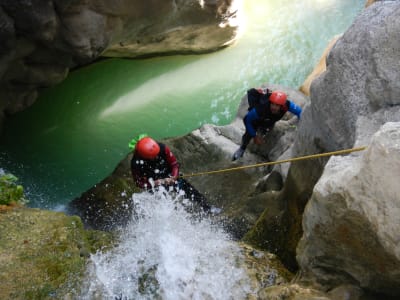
10	191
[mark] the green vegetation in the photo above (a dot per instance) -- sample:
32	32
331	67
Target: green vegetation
10	191
44	254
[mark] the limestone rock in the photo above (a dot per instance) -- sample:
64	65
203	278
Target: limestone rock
354	98
357	94
291	292
351	223
319	69
107	205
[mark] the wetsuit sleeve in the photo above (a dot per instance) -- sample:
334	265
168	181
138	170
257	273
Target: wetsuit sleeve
172	162
139	180
248	120
295	109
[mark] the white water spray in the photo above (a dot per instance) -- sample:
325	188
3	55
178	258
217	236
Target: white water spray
166	253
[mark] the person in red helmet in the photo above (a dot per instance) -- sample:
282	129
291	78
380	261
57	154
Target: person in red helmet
266	107
153	163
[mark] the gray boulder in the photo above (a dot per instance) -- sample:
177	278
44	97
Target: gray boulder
351	224
351	221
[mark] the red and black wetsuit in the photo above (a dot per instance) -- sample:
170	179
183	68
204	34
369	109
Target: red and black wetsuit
163	166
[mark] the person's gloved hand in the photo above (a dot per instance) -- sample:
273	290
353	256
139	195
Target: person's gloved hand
169	181
293	121
265	91
258	140
158	182
165	181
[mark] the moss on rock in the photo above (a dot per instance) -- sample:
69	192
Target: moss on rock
43	254
107	205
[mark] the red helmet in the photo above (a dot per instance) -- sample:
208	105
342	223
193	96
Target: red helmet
278	97
147	148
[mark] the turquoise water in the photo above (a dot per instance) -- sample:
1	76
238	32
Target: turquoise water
78	131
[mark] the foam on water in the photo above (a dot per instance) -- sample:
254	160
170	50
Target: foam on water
166	253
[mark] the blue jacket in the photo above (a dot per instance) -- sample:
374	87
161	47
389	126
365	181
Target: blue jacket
266	115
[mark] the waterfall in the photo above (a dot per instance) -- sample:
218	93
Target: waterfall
166	252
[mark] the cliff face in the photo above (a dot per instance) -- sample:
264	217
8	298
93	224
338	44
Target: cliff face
42	40
351	224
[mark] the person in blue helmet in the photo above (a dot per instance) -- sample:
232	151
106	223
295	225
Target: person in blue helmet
266	108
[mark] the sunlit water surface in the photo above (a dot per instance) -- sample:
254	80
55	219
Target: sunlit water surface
78	131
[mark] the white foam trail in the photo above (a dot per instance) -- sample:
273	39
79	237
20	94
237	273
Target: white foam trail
166	253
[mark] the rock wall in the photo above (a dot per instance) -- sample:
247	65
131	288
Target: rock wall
350	223
42	40
318	69
346	232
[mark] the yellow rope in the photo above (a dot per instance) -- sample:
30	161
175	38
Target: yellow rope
345	151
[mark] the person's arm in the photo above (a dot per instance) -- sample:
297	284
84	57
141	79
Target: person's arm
174	166
294	109
248	120
172	162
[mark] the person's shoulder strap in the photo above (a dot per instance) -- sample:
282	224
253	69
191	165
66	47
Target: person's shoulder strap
286	107
253	98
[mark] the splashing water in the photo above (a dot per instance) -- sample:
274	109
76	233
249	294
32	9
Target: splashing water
166	253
